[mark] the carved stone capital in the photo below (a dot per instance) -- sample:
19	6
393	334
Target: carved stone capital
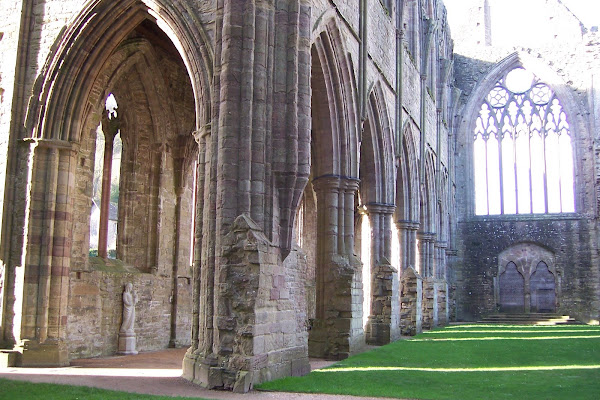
379	208
426	236
407	225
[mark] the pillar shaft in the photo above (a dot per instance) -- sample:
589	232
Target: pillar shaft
256	164
339	309
426	253
382	326
407	234
47	255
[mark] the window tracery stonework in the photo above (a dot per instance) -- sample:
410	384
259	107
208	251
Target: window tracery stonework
522	149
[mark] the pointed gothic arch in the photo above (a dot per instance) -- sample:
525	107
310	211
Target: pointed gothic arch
335	172
85	46
376	146
334	100
466	123
60	130
528	279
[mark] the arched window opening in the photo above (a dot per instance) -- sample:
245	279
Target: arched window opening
106	179
522	154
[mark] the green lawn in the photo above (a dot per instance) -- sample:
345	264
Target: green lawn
469	362
14	390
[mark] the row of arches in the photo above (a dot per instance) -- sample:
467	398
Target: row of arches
190	165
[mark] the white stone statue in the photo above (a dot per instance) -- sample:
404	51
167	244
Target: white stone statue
126	333
129	301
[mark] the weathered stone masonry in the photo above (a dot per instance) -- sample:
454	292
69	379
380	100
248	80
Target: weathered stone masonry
296	179
562	54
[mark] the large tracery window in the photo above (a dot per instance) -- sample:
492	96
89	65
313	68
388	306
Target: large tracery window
522	149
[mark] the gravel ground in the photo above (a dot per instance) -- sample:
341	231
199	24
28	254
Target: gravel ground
149	373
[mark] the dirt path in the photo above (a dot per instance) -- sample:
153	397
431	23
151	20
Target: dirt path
149	373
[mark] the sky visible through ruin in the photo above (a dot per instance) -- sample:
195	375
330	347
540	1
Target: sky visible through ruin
588	11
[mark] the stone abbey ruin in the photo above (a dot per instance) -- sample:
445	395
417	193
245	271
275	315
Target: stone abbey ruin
290	178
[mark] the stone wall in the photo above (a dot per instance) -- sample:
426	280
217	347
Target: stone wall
261	315
96	306
572	240
561	53
179	92
9	48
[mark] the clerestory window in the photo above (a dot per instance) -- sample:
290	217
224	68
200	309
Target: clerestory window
523	161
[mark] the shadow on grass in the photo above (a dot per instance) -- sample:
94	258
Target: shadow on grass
483	365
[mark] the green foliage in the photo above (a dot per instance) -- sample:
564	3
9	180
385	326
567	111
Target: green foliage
468	362
15	390
114	193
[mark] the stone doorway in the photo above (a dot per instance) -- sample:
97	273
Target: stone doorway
512	290
527	281
543	290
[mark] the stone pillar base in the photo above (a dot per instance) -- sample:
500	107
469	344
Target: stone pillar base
127	343
377	332
329	339
189	360
202	371
382	326
51	353
9	358
411	312
207	372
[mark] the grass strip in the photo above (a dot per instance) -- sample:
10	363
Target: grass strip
508	362
16	390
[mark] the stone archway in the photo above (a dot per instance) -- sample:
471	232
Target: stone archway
335	331
109	47
527	280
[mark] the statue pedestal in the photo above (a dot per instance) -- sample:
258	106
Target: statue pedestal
127	343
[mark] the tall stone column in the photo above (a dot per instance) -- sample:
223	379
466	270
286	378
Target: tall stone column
47	255
382	326
337	329
407	237
426	253
250	320
440	264
427	259
412	244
